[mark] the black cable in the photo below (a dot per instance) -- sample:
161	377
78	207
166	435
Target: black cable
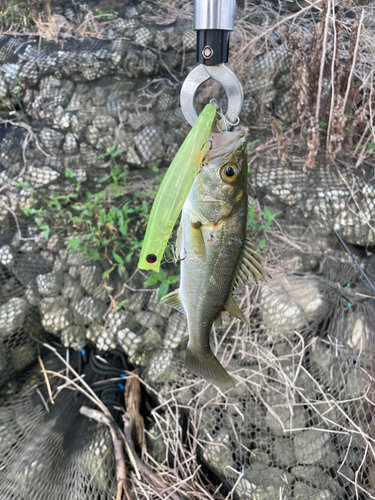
340	239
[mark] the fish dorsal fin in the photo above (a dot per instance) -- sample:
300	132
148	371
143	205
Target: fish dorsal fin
179	241
232	308
173	300
197	242
249	266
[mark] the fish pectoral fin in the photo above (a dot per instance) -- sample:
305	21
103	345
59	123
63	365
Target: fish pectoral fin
218	321
250	266
173	300
208	367
232	308
179	240
197	242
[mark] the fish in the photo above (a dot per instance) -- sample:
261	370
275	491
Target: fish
215	252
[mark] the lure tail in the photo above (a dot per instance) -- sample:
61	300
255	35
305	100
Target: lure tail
208	367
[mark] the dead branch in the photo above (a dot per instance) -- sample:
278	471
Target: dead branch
146	471
117	447
133	404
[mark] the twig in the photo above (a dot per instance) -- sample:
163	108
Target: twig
46	380
43	400
133	405
117	447
151	476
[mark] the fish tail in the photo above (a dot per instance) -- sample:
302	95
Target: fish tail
208	367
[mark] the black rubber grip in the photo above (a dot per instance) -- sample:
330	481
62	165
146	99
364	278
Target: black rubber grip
212	47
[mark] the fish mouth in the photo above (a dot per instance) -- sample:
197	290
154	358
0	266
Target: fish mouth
208	197
224	143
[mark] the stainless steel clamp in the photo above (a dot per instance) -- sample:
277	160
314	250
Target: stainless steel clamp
214	19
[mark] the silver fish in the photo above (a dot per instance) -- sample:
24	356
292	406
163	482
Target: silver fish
216	255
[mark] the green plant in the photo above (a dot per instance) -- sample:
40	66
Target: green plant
256	221
105	14
105	225
163	281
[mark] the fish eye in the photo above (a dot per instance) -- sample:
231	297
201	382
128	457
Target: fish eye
229	172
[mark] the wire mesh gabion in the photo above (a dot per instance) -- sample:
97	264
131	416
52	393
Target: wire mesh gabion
299	422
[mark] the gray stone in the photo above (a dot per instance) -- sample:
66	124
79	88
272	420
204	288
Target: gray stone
39	177
93	332
22	356
6	256
161	309
50	284
117	320
78	259
74	272
51	138
74	337
264	483
3	362
103	122
151	339
147	319
70	145
360	336
289	418
289	303
32	296
304	491
48	257
315	477
12	316
57	319
177	331
161	367
217	455
88	309
72	289
149	143
106	340
312	447
49	303
129	341
91	277
137	301
283	452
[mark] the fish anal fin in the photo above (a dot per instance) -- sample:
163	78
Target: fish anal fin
173	300
197	242
233	309
249	266
208	367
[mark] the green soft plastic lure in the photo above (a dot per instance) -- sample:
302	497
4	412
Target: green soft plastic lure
174	190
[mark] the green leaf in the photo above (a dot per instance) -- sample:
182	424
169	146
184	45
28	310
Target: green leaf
118	152
161	275
93	254
163	290
152	280
46	229
252	143
107	273
267	213
117	258
103	179
103	155
70	174
173	279
155	169
262	243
